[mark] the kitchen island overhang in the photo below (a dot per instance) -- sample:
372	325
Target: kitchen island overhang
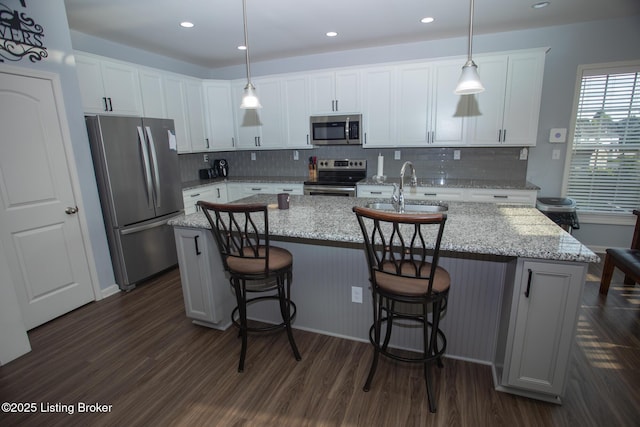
490	250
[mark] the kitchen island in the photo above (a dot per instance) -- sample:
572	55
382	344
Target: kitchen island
516	283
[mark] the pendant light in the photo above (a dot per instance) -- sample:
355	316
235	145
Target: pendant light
469	82
250	100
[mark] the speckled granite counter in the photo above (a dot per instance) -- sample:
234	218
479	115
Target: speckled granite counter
457	183
474	228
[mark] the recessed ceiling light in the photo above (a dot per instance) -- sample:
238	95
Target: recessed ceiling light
540	5
242	47
187	24
427	20
332	34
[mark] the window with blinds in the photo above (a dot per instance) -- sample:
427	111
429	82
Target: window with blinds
604	170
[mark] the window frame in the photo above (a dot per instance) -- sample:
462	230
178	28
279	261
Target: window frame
586	70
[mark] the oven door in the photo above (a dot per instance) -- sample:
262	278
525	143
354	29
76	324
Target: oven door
329	190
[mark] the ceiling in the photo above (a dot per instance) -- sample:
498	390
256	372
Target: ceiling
285	28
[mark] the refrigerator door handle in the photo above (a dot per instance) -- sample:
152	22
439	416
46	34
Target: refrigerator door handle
145	160
149	226
154	159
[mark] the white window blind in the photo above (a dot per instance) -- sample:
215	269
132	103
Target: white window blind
604	171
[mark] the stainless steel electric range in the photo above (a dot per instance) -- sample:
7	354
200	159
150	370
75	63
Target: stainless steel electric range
336	177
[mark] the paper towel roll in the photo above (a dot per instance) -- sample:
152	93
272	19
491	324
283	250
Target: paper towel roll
380	165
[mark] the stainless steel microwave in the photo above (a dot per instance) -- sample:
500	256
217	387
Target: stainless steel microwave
336	130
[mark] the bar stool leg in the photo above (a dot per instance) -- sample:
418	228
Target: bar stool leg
428	351
377	315
242	312
285	310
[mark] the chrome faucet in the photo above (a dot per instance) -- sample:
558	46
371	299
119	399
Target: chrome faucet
397	199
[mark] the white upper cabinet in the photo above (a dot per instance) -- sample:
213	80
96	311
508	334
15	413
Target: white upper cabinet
447	123
378	107
506	113
108	87
175	98
195	115
295	95
219	114
262	128
152	89
412	105
334	92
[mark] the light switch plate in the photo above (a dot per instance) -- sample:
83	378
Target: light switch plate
356	294
558	135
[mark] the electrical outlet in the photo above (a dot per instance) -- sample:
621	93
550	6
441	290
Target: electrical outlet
206	158
524	154
296	155
356	294
396	155
253	156
456	154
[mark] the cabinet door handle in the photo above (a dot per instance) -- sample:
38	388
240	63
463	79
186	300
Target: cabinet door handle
308	143
218	192
110	105
333	105
499	135
195	239
233	142
207	141
528	291
287	189
195	195
106	106
256	189
504	135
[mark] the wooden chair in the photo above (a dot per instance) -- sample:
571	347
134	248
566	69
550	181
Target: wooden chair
627	260
253	265
407	284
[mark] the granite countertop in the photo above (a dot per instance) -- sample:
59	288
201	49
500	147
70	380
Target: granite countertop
477	228
267	179
456	183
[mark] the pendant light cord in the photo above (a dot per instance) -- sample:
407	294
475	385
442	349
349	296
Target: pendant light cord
246	40
470	32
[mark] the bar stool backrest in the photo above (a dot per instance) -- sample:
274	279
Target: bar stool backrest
241	232
404	245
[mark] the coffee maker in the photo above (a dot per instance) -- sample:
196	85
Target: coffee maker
221	167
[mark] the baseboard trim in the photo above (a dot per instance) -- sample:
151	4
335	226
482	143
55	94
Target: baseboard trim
111	290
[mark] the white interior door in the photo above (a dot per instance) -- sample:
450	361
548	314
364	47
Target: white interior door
39	228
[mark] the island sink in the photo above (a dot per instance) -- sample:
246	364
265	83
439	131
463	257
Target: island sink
409	208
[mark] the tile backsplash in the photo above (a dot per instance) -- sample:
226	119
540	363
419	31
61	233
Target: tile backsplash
499	163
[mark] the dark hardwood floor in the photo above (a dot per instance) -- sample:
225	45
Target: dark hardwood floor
138	353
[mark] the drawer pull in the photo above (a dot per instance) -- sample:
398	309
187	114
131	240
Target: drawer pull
195	195
497	196
528	291
376	192
430	194
195	239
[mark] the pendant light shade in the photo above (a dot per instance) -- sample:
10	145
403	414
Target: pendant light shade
250	100
469	82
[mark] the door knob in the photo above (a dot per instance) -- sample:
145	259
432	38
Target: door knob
70	210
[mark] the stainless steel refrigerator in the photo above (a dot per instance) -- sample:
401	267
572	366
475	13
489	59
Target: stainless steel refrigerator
138	177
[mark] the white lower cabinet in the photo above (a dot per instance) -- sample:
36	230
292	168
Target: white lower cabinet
527	197
431	193
375	191
239	190
216	193
208	299
536	339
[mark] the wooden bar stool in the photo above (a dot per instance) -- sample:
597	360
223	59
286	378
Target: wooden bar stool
253	265
407	284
